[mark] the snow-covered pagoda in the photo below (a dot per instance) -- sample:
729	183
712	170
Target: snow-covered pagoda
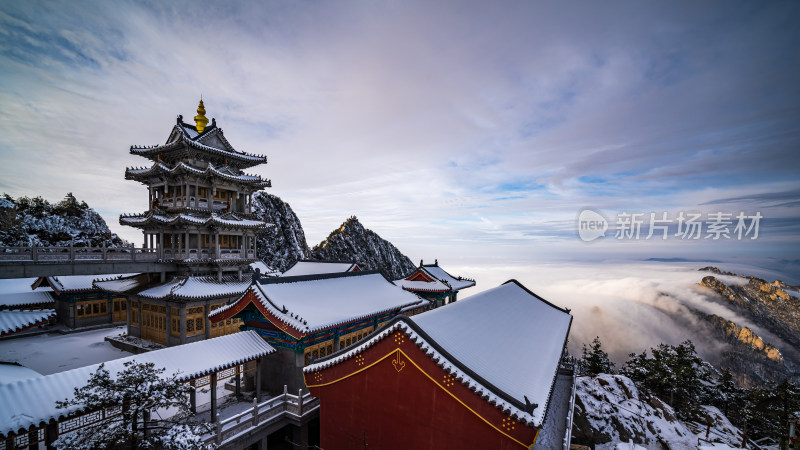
311	316
432	282
200	218
485	372
199	197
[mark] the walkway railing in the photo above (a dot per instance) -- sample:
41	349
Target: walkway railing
99	254
76	254
264	414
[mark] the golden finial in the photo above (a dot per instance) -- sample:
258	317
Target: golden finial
200	119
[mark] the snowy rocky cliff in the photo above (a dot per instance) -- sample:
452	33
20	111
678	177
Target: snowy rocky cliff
610	410
352	242
282	245
772	307
34	221
285	243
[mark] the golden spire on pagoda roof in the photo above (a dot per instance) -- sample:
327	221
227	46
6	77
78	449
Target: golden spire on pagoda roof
200	119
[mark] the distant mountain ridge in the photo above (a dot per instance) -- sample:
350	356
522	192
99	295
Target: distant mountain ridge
35	221
771	306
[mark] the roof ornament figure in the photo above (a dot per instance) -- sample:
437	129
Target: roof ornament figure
200	119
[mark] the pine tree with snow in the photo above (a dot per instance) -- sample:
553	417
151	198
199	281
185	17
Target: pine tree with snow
137	391
675	374
594	359
727	393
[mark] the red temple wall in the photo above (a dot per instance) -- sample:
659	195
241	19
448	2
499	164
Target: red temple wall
396	399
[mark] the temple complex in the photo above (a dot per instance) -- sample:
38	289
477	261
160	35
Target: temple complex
199	199
199	217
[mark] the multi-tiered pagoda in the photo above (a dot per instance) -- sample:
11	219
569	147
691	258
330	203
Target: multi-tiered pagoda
199	197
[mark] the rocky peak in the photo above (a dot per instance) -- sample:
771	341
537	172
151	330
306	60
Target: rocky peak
282	245
353	242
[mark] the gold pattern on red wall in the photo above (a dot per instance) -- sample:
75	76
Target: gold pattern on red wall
399	338
448	381
317	377
398	362
508	424
360	360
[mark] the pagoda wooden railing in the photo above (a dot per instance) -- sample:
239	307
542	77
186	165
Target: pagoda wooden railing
77	254
191	202
263	414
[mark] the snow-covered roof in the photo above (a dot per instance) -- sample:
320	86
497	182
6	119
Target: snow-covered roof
304	267
505	343
76	283
211	135
15	292
264	269
33	401
160	168
440	280
14	320
230	221
121	284
316	302
199	287
10	372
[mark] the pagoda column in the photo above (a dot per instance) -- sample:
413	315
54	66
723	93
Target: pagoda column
182	325
160	244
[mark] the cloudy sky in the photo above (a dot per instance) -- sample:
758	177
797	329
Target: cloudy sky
472	132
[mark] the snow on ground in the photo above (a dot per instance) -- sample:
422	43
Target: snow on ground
609	407
628	446
53	352
555	425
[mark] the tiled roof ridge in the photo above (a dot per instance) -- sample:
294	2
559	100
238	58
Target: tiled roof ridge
211	169
293	319
424	290
206	131
514	281
327	261
185	139
181	281
317	276
459	278
466	376
173	218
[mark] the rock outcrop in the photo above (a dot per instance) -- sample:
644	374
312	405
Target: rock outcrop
609	409
352	242
35	221
283	244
